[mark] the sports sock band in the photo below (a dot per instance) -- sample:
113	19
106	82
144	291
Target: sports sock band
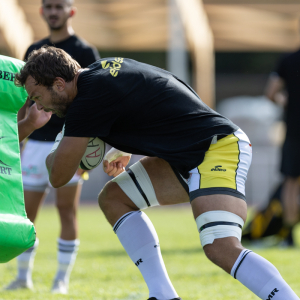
66	256
25	262
261	277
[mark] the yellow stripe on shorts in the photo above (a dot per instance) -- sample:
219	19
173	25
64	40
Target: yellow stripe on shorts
220	164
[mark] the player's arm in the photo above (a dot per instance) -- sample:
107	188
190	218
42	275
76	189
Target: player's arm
274	89
63	163
34	120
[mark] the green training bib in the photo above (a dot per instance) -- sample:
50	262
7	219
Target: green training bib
17	233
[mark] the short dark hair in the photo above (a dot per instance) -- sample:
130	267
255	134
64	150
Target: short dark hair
45	64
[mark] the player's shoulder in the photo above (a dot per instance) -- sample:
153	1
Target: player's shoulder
82	43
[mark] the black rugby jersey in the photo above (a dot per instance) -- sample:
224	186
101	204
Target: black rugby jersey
85	55
141	109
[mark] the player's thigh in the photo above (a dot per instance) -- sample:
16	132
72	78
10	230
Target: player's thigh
168	187
34	172
219	202
149	182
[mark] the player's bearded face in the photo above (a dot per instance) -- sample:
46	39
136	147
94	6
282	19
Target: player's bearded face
59	103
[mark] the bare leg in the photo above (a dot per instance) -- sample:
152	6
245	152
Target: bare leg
290	196
33	202
67	202
135	230
253	271
230	247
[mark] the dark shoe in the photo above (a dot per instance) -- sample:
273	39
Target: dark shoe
153	298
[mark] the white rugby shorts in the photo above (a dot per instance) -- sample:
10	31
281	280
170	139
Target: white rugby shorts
33	162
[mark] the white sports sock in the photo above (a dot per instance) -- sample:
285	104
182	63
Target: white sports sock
25	262
261	277
138	237
66	256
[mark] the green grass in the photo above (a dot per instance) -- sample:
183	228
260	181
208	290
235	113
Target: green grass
104	271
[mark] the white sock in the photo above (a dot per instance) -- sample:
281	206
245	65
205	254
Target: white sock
66	256
261	277
138	237
25	262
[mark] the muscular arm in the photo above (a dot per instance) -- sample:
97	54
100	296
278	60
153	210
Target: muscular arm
63	163
274	89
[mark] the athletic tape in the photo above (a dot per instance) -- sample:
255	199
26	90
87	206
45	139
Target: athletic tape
113	154
218	224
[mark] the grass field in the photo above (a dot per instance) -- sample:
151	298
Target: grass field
104	271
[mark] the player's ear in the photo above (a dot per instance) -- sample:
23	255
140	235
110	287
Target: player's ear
59	84
73	11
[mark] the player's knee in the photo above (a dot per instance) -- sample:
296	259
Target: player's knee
65	207
224	252
212	252
220	250
107	197
220	235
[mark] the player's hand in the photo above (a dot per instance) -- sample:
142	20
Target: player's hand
37	118
117	166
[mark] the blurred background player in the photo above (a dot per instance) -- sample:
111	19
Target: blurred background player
57	14
283	88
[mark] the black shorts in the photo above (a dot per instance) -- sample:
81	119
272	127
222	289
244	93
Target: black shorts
290	162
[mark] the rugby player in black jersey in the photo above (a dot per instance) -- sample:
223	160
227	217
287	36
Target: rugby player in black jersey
57	14
192	154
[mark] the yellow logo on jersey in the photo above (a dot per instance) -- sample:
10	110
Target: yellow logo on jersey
114	66
104	65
